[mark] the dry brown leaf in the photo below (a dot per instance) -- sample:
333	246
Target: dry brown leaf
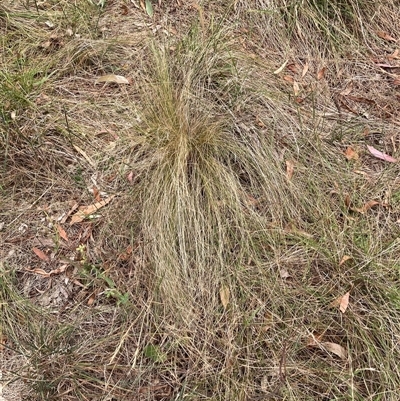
347	90
268	320
124	256
117	79
124	9
260	122
3	342
224	295
78	283
40	254
394	55
342	302
292	229
91	299
385	35
295	68
88	210
288	78
344	259
280	69
385	65
361	99
396	81
305	70
130	177
368	205
314	340
44	273
289	169
62	233
39	271
380	155
96	194
296	88
85	156
336	349
351	154
321	73
59	270
73	208
284	273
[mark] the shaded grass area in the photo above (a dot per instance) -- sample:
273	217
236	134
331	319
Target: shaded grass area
211	275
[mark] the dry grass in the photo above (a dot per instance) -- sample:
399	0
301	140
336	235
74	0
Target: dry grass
197	150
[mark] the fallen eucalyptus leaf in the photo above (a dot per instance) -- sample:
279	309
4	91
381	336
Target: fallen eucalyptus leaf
117	79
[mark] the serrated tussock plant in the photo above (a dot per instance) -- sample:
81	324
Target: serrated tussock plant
207	179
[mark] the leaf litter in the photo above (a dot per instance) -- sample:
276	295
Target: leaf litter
40	254
224	295
315	341
86	211
112	78
380	155
342	302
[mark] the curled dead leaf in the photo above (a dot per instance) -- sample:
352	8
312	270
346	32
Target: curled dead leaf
368	205
344	259
85	156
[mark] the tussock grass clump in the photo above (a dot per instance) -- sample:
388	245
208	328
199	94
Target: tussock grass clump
199	170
